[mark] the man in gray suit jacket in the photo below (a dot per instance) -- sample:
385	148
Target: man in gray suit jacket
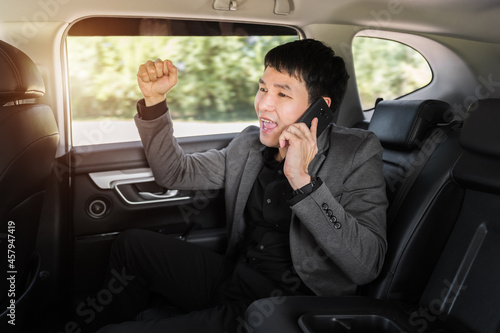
305	214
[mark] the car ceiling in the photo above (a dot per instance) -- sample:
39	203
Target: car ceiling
475	20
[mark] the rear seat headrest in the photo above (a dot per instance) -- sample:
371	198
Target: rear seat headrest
402	124
480	132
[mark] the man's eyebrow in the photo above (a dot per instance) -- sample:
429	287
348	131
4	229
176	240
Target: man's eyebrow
283	86
278	85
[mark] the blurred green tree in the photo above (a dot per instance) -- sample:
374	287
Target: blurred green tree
218	76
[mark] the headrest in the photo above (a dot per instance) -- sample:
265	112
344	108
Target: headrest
20	78
480	132
402	124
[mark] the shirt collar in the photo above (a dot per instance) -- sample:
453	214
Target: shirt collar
268	154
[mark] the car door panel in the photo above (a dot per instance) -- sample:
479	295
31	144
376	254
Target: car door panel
113	190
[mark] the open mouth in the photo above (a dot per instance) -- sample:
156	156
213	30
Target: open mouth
267	125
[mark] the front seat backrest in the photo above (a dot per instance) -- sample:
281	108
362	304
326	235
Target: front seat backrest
28	142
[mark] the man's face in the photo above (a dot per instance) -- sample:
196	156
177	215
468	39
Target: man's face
280	102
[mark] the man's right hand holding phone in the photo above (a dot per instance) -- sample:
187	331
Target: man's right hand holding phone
298	144
156	79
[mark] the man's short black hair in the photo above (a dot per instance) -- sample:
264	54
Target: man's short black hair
314	63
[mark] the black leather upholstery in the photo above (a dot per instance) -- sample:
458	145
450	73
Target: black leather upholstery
480	133
402	127
29	137
419	225
465	282
479	166
402	124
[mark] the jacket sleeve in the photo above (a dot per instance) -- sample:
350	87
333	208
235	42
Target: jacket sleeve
173	168
348	219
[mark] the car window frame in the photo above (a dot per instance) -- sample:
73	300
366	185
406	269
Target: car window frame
377	34
65	65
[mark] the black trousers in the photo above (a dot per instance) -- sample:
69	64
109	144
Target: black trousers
211	295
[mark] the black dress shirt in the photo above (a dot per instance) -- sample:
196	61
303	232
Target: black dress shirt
266	247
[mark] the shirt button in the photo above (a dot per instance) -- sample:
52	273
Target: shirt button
333	219
324	206
268	201
280	172
277	225
329	212
337	225
261	247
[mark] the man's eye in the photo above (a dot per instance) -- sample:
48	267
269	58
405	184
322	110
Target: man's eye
262	89
282	95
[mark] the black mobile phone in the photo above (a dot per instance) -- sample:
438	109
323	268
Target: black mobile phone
318	109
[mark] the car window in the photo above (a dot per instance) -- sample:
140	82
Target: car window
387	69
219	67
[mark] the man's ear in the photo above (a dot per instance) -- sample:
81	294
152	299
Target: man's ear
328	101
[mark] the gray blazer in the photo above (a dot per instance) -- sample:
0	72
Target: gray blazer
337	233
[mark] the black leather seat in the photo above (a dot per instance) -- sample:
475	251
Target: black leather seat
29	138
420	148
463	289
402	127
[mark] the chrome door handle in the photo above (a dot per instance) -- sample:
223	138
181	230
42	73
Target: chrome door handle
116	178
153	196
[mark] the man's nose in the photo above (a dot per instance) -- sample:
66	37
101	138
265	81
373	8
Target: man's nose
267	103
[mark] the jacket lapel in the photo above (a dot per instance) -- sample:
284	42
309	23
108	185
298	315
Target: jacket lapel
251	169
